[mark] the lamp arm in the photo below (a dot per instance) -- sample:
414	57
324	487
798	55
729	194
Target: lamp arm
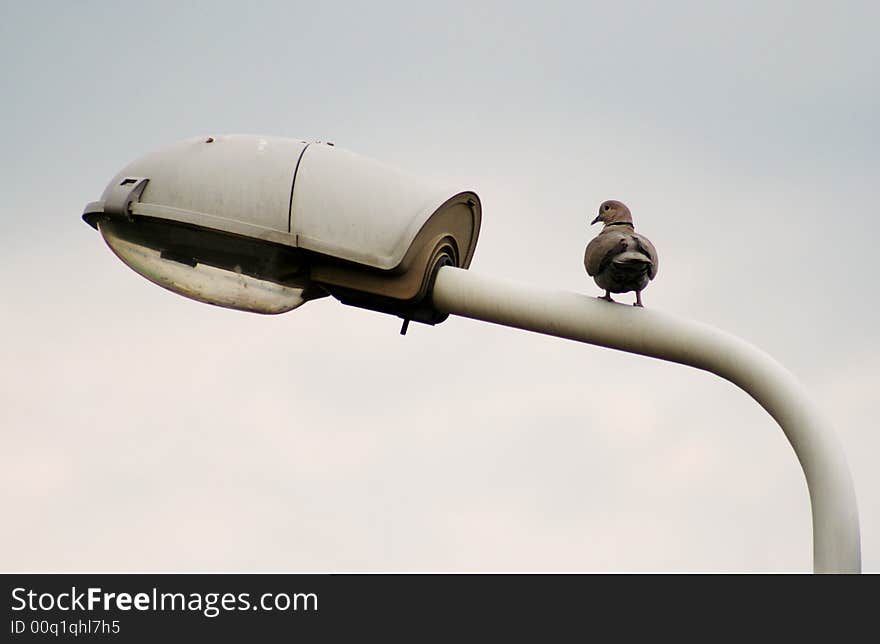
648	332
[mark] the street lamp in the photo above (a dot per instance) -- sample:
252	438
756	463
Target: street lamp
266	224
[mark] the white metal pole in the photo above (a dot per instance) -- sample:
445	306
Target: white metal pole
660	335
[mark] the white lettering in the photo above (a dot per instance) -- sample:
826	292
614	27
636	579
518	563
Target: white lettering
23	604
305	597
76	600
94	597
142	601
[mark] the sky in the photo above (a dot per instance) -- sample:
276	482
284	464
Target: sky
142	431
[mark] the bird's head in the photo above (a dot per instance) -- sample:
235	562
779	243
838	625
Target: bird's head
613	212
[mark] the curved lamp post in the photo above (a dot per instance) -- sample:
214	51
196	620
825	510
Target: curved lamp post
265	224
653	333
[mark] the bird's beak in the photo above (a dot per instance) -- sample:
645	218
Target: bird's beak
598	218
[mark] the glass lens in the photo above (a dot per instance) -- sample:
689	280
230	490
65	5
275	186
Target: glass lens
229	287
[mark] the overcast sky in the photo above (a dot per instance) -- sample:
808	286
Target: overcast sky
143	431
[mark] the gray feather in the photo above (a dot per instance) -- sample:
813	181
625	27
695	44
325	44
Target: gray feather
621	260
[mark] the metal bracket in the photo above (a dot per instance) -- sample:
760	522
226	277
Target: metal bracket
121	196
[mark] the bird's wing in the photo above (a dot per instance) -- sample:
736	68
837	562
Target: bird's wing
648	249
601	250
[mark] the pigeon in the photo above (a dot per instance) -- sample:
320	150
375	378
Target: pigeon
618	258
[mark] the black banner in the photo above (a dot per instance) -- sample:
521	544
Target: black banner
328	607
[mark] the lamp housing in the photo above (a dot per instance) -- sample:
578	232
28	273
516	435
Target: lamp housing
264	224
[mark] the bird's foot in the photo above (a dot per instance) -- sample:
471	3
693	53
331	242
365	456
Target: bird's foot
606	297
638	301
639	304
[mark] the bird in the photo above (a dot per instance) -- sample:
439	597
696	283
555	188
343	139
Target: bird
618	258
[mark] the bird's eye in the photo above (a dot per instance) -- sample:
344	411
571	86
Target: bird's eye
606	207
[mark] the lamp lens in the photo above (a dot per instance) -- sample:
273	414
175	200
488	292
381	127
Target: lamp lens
229	277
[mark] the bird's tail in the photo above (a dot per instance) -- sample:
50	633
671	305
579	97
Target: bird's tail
632	263
632	257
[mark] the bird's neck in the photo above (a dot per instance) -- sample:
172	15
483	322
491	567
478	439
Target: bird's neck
620	223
